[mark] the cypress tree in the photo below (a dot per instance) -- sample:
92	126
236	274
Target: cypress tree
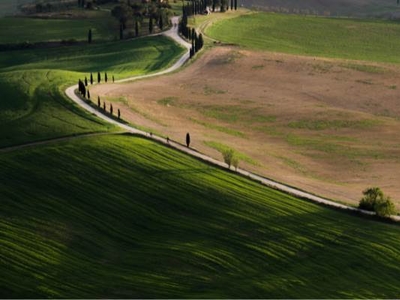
236	4
121	32
201	41
105	77
113	78
119	114
137	28
193	34
98	77
90	36
98	101
187	139
231	4
88	94
151	25
104	106
111	109
196	44
160	24
91	78
85	81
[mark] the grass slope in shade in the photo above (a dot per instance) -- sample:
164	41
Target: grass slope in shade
125	58
20	30
34	108
122	217
33	105
327	37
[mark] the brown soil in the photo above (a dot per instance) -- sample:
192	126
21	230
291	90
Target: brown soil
330	127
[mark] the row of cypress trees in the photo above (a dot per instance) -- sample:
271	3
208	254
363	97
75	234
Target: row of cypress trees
191	34
195	7
86	94
86	81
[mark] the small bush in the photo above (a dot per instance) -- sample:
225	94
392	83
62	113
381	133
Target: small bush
228	156
385	207
375	200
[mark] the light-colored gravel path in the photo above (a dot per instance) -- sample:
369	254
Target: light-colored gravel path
173	34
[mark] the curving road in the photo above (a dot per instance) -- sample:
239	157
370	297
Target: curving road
173	34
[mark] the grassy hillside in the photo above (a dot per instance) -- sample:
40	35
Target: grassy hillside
33	105
360	8
19	30
341	38
117	216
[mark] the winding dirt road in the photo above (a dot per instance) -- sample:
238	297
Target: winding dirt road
173	34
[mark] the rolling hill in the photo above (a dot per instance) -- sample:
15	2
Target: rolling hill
350	8
122	217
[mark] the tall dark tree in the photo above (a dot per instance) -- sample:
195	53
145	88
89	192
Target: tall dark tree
91	78
119	114
105	77
151	25
83	90
193	35
98	101
201	41
136	28
104	106
90	36
111	109
85	81
161	23
98	77
232	4
121	32
80	86
88	94
236	4
187	139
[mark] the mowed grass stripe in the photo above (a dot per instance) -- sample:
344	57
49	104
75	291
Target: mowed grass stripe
371	40
121	216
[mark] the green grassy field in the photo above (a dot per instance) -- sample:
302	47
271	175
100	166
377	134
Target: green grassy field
369	40
19	30
33	105
122	217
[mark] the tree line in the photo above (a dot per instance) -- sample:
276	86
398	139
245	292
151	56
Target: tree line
85	93
191	34
133	15
195	7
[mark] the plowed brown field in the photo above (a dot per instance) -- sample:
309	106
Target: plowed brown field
331	127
